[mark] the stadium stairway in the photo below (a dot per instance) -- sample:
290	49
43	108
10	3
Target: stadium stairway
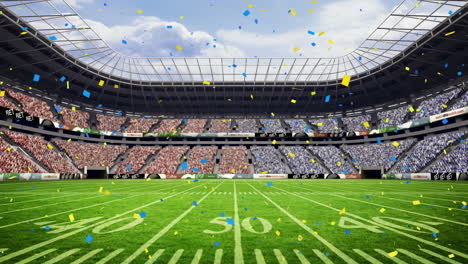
119	160
319	160
441	154
24	152
63	153
186	154
403	155
14	101
148	161
348	158
284	160
154	126
285	126
457	99
126	124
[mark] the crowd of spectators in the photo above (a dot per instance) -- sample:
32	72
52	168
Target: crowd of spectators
234	160
268	160
298	126
201	160
392	117
377	155
220	126
357	123
110	123
167	161
301	161
136	159
5	102
91	155
435	105
333	159
455	161
272	126
194	125
460	103
246	126
424	152
33	106
326	125
74	117
140	125
43	151
168	125
11	161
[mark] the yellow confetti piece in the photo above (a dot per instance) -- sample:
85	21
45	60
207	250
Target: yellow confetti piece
273	142
278	233
140	11
304	221
149	179
2	93
333	223
176	233
331	42
178	47
387	120
106	192
299	238
321	34
313	93
50	146
206	82
451	256
101	83
417	202
146	250
182	17
250	6
251	96
71	217
233	171
319	124
382	193
272	114
407	68
278	220
100	189
291	155
382	210
393	254
116	86
137	216
293	12
296	49
411	109
463	202
293	101
338	163
311	11
395	143
312	160
342	211
24	33
450	33
346	80
366	124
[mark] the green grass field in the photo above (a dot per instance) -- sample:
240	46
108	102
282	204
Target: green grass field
234	221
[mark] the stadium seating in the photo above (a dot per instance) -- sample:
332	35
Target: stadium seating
301	161
268	160
220	126
392	117
140	125
272	126
246	126
74	117
168	125
377	155
110	123
43	151
33	106
298	125
326	125
13	161
234	160
455	161
167	161
5	102
435	105
91	155
357	123
194	125
136	159
460	103
201	160
333	159
424	152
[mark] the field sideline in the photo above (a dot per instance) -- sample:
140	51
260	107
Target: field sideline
233	221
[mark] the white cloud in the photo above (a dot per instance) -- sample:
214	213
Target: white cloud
149	36
340	20
79	3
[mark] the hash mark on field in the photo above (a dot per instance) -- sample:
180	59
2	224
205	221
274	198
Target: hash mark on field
385	254
155	256
110	256
281	259
322	257
444	258
218	256
197	257
414	256
36	256
87	256
63	256
176	256
367	256
301	257
259	257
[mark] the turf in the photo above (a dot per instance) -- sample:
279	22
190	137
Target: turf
234	221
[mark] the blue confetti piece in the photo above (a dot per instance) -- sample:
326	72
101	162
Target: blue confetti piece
379	140
221	214
256	21
246	13
319	223
195	170
203	161
245	209
53	38
346	232
367	197
162	200
434	234
87	135
345	171
216	243
86	94
36	77
327	99
463	207
63	78
202	212
57	108
230	221
408	182
169	27
255	218
47	227
446	65
326	254
310	32
244	74
128	167
450	12
33	187
445	121
234	65
25	28
269	184
459	73
184	165
142	214
360	58
89	238
195	203
313	44
124	41
196	180
394	159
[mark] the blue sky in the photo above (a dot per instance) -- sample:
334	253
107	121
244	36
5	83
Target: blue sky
211	28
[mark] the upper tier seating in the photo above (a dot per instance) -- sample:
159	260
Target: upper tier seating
272	126
357	123
435	105
74	118
110	123
392	117
327	125
220	126
246	126
140	125
194	125
33	106
168	125
298	125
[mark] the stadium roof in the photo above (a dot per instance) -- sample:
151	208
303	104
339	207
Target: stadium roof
59	23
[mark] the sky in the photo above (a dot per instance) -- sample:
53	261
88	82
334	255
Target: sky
234	28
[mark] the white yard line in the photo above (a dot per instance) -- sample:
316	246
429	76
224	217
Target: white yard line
87	256
218	256
176	257
367	256
62	256
197	257
444	258
36	256
155	256
301	257
279	256
110	256
259	257
322	257
238	254
385	254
